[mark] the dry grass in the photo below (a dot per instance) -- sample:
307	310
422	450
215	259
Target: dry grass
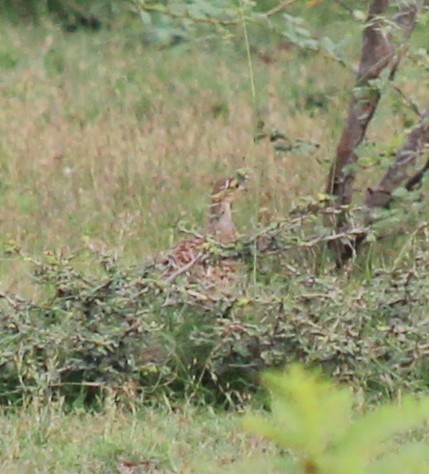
109	141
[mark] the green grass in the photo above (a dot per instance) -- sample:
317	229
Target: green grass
184	440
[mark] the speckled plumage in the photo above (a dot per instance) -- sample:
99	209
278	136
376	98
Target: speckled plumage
191	256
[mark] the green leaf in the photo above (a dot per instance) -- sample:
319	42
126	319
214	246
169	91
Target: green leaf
312	417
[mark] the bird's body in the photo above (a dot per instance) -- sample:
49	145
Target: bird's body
192	256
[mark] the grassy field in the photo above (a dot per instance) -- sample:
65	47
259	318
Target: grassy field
185	440
109	143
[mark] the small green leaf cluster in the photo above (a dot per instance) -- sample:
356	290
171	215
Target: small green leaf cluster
313	419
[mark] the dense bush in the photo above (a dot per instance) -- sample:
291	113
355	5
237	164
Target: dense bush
71	13
131	332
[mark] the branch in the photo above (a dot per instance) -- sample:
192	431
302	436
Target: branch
280	7
417	177
376	55
184	269
398	172
379	53
346	7
409	101
185	15
156	8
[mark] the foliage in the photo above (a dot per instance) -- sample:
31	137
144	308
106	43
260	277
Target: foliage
176	20
71	13
131	331
313	418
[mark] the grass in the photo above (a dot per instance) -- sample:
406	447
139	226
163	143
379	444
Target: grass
108	140
184	440
111	142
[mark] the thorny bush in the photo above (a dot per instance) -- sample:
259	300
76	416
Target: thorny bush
128	332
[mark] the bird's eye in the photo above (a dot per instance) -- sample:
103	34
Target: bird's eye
233	183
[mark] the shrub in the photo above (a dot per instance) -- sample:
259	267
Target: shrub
71	13
129	331
313	419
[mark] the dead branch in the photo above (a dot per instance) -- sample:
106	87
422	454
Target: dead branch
185	15
346	7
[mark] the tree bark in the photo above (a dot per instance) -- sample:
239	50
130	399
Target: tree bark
378	54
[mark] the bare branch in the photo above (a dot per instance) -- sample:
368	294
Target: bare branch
409	101
398	172
185	15
280	7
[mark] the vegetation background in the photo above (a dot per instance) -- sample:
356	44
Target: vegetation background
114	123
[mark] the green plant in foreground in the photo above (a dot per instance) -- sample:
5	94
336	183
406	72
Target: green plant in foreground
312	418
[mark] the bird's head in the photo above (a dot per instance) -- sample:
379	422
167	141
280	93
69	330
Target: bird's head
226	189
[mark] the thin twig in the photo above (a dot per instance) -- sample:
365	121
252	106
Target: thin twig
358	232
185	15
184	269
408	100
280	7
207	20
346	7
79	384
14	302
417	177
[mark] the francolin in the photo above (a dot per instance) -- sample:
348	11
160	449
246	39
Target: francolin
192	257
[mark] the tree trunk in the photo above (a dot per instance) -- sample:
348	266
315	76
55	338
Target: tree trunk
378	53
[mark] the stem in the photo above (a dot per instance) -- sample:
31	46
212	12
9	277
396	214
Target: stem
255	122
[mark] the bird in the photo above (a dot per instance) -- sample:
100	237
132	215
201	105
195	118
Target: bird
192	256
